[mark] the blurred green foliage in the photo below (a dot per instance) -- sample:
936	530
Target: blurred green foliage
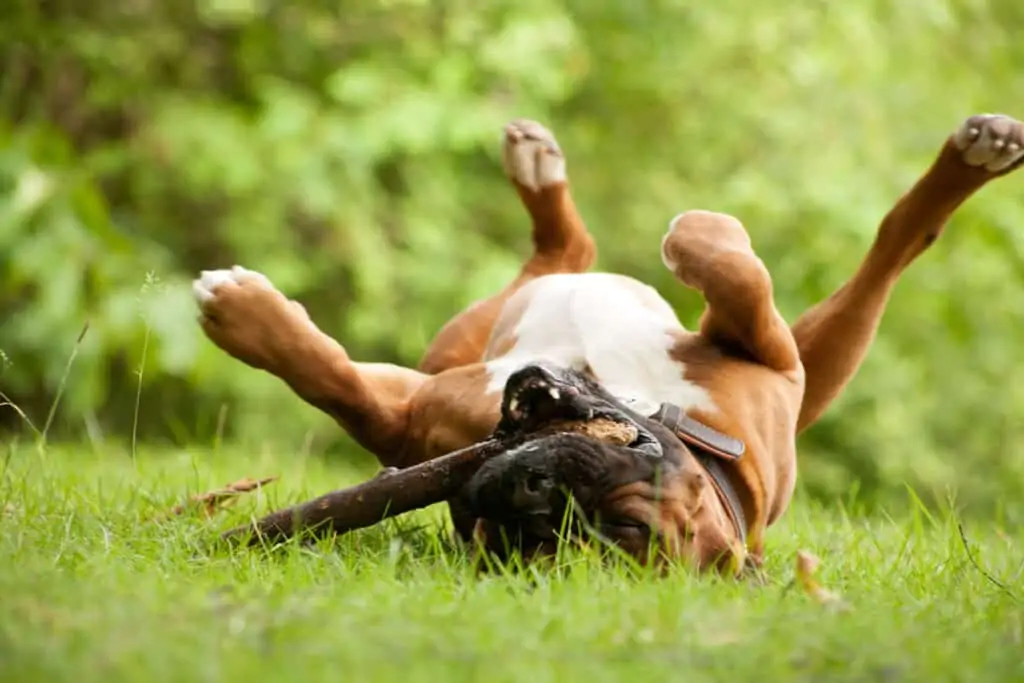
350	151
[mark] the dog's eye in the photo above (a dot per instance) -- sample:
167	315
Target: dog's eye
623	522
624	526
628	534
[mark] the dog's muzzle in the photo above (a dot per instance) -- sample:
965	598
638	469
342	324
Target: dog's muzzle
539	396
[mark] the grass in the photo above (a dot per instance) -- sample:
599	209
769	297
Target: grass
94	586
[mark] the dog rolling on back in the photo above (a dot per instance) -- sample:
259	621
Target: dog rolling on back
716	410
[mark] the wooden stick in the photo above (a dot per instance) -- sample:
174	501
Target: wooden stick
394	493
386	495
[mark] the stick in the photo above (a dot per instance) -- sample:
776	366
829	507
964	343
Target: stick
386	495
394	493
970	556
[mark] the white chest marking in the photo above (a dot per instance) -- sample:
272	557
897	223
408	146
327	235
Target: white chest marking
617	326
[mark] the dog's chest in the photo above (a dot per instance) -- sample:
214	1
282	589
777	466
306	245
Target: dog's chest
617	326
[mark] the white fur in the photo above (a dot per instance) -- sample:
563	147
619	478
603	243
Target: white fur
618	326
535	164
669	262
204	287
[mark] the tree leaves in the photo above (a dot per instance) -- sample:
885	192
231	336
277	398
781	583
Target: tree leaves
351	154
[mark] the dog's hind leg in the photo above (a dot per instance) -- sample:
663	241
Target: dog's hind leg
534	163
711	252
834	336
248	318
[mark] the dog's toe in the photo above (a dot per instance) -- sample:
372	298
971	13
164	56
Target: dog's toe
991	141
211	283
531	155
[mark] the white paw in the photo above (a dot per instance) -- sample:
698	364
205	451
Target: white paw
670	262
992	141
205	286
531	156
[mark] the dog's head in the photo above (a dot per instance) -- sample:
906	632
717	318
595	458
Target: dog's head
632	480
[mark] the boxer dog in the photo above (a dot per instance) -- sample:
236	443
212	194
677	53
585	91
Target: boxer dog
708	460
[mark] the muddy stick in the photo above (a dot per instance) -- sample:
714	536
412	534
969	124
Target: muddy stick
389	494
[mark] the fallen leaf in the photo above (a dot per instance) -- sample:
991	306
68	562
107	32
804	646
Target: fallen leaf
212	501
806	567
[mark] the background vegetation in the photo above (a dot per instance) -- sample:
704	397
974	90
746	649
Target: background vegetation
349	150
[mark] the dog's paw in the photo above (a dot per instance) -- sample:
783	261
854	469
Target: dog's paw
531	155
991	141
244	314
702	235
210	283
240	290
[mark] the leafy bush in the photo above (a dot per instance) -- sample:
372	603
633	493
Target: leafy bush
350	150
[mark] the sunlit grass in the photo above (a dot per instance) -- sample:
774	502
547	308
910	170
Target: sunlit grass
97	584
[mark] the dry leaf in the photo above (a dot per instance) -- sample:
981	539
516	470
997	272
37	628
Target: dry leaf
806	567
212	501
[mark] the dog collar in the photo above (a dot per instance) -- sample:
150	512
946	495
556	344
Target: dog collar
709	446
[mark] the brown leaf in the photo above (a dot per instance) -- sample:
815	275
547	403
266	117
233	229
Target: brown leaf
210	502
806	567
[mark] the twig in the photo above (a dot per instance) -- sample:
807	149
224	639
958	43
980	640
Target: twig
389	494
970	556
60	387
7	402
151	281
138	396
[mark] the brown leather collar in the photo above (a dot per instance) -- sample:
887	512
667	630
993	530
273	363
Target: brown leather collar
709	446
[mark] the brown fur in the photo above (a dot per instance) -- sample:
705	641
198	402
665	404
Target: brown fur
769	380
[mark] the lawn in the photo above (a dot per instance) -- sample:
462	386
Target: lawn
97	584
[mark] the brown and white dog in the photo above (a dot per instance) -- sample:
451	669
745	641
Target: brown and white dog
736	393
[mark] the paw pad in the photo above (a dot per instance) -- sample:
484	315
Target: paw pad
531	155
991	141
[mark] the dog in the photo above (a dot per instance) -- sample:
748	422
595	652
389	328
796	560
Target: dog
720	408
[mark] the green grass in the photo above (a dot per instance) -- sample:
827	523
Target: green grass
94	588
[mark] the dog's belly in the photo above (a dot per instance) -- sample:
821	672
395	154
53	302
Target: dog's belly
617	326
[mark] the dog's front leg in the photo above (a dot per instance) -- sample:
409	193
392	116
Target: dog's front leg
247	317
834	335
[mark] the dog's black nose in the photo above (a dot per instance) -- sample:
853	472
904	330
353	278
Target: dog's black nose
536	394
532	494
536	371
